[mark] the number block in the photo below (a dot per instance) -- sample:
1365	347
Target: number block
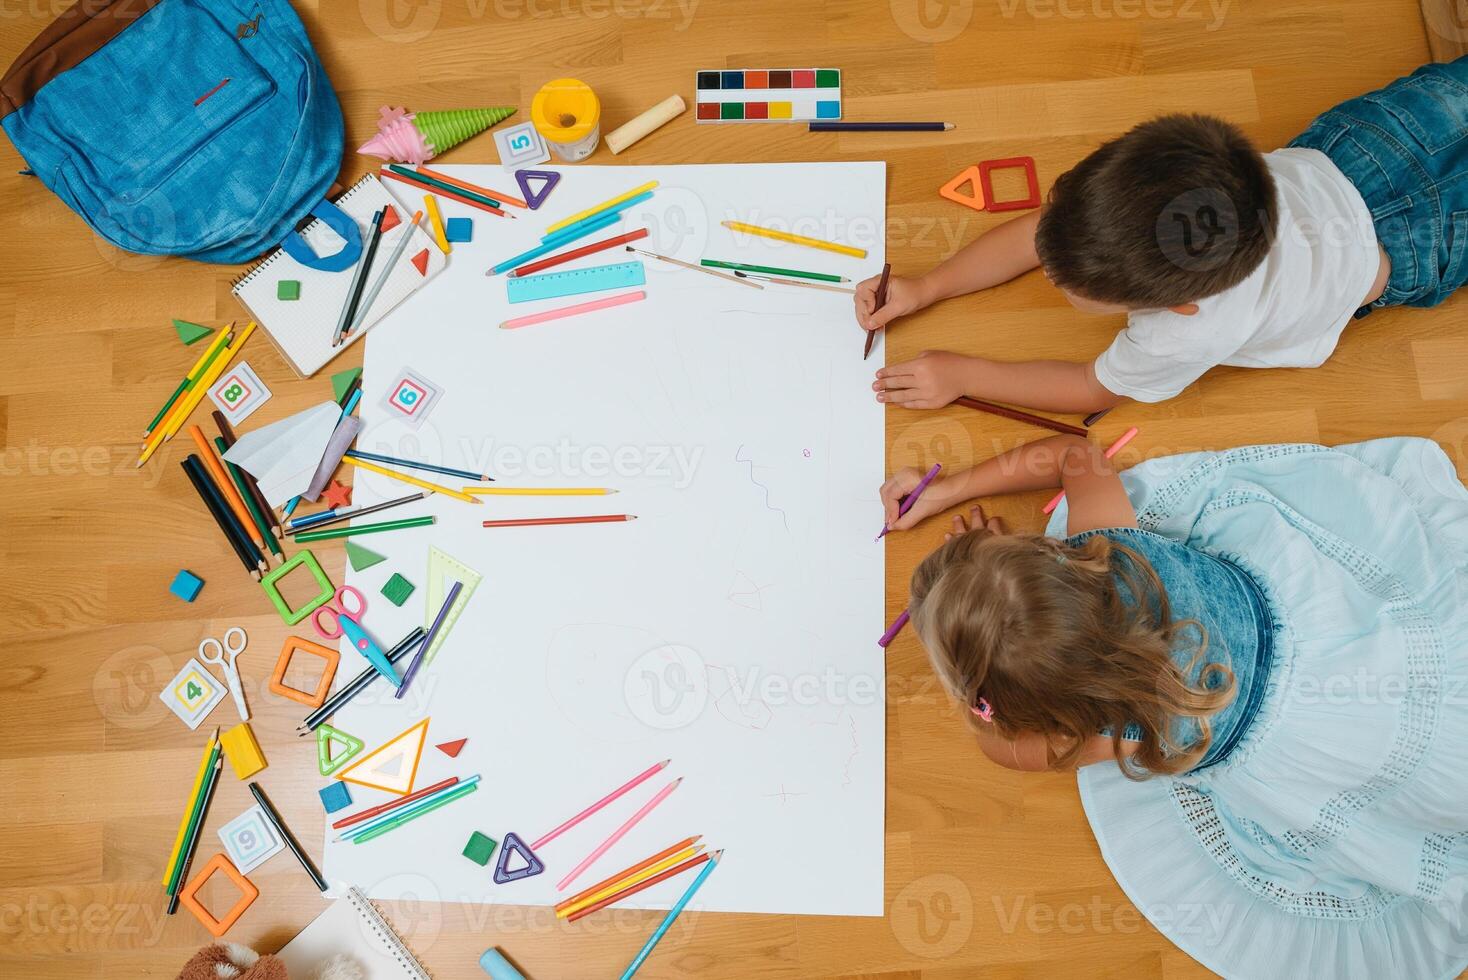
192	693
239	392
250	840
520	146
411	397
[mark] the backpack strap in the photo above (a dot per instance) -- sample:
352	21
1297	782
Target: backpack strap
73	37
338	221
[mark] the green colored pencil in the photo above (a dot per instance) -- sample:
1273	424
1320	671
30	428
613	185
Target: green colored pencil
191	836
200	366
406	818
347	532
770	270
250	503
448	188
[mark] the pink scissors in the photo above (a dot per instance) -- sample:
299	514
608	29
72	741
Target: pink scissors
345	621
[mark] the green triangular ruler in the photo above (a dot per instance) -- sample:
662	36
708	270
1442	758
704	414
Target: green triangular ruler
191	333
443	571
326	737
361	557
342	380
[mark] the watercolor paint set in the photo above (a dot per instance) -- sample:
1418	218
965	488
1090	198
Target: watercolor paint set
769	95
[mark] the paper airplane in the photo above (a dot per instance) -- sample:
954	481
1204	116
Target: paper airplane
283	456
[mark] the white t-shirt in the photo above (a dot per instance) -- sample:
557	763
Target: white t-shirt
1289	312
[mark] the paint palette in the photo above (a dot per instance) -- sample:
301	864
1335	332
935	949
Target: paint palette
769	95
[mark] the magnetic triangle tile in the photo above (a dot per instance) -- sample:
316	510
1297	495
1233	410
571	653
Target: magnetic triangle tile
392	766
513	845
443	571
361	557
452	749
190	333
550	179
970	177
342	380
390	219
326	737
420	262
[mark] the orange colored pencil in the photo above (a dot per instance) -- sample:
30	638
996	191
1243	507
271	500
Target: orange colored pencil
226	486
472	187
421	185
628	872
641	885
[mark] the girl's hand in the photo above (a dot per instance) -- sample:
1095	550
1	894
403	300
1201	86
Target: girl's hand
904	296
931	380
941	494
993	525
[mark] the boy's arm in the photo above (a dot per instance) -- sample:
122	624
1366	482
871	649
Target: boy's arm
935	378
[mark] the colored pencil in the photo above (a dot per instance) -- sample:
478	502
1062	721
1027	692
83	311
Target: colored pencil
643	885
285	834
227	431
1111	451
695	268
538	491
359	278
196	825
440	185
305	537
590	306
261	522
427	645
770	270
628	872
387	270
369	674
912	497
894	629
1095	417
551	244
878	301
226	487
628	882
414	465
795	282
578	229
465	185
236	526
456	196
541	521
792	239
381	808
336	517
220	341
881	127
221	516
183	823
1018	416
618	834
577	253
165	430
615	794
417	812
370	467
667	922
603	206
402	814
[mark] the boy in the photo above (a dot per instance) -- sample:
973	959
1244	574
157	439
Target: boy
1217	254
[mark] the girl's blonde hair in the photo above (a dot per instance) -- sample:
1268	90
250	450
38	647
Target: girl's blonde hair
1065	641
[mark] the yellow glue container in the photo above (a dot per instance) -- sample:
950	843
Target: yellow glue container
567	113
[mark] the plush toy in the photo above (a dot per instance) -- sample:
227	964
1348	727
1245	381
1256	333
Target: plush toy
231	961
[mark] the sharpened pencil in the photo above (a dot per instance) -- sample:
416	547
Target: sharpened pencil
541	521
416	465
369	674
694	268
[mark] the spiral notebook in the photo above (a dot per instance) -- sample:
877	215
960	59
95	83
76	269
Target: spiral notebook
302	328
352	926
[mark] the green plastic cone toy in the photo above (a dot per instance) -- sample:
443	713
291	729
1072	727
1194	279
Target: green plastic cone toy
446	128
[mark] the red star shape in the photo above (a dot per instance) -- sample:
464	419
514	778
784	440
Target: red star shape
337	495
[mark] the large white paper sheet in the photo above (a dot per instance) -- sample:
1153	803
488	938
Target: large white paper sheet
732	628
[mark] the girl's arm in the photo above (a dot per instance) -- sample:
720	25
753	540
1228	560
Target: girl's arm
1031	753
1093	490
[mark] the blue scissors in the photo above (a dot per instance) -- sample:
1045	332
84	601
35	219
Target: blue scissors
345	621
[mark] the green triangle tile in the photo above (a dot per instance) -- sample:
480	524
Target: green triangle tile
191	333
361	557
341	381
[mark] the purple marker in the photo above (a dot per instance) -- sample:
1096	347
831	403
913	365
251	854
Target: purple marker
912	497
892	630
443	613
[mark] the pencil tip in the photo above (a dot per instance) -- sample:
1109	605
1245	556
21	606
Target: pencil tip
949	126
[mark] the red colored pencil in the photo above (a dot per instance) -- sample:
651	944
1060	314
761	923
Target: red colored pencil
538	521
628	872
576	253
373	811
440	192
472	187
676	869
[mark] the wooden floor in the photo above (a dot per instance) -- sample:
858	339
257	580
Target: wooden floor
988	873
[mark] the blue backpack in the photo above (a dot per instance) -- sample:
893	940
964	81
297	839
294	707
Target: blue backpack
178	127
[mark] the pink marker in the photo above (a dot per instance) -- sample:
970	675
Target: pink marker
1116	447
912	497
618	834
605	303
635	781
894	629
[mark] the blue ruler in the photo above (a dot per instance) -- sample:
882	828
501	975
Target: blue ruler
523	289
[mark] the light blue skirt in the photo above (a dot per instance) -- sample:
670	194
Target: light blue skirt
1333	840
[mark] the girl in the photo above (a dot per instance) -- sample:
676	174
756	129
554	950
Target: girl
1258	660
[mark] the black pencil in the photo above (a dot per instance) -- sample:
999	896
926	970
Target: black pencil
287	836
186	856
332	704
196	478
230	520
359	279
881	127
257	517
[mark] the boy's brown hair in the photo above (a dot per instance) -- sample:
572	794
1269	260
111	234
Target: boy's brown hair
1171	212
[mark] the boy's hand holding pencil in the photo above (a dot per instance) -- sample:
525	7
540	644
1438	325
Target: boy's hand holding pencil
904	296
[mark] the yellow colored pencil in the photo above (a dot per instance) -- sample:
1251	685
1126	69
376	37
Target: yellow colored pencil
183	825
362	464
170	426
538	491
579	215
785	236
629	881
222	337
435	220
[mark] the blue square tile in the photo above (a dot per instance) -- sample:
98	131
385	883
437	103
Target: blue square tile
186	585
459	229
335	796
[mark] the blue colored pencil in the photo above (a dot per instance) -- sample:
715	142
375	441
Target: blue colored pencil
662	928
574	231
389	816
552	243
426	467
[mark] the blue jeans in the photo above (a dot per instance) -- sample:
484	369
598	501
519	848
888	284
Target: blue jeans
1405	147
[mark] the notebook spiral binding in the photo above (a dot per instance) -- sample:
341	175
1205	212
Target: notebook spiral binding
249	274
373	917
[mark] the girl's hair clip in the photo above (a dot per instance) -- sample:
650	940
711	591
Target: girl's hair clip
983	710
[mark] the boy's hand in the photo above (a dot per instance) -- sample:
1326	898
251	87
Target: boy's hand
931	380
904	296
941	494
